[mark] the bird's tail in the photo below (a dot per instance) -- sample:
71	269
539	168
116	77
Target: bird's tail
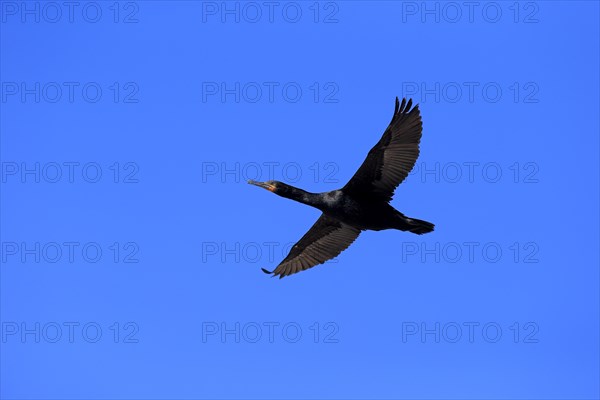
414	225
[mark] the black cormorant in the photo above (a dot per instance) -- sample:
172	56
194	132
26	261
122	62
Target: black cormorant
363	204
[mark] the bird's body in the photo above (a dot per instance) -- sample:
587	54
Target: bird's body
363	203
364	213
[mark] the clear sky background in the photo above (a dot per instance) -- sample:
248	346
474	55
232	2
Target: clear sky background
131	245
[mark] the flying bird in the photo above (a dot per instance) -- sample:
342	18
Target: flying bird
363	203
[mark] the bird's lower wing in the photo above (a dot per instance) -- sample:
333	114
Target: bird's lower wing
326	239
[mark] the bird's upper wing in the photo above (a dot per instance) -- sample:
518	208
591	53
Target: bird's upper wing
392	158
327	238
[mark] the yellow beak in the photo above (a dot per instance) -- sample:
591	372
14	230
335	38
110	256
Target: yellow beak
263	185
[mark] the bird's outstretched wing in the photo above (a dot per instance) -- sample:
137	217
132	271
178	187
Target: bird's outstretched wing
327	238
390	161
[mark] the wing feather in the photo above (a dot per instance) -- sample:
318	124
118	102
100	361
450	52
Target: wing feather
390	161
326	239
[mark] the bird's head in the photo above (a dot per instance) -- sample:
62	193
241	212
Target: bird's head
276	187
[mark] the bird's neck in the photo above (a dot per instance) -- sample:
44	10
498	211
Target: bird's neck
322	201
302	196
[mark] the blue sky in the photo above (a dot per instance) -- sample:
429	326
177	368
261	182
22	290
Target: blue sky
131	245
